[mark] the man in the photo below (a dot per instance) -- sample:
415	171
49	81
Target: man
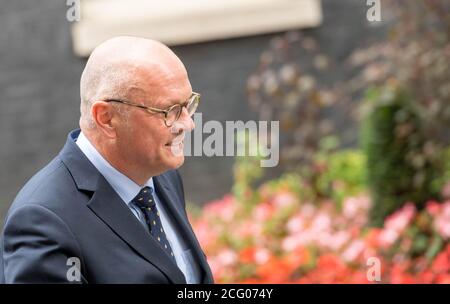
110	207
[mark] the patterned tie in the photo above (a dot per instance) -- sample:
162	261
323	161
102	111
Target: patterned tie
145	201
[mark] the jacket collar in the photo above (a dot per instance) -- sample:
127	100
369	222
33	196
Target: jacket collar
108	206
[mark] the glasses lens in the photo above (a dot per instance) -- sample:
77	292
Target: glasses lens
173	115
193	104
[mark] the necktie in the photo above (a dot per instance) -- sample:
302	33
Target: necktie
145	201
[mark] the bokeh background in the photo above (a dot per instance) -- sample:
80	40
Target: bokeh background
364	111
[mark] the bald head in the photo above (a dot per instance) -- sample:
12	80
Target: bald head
127	68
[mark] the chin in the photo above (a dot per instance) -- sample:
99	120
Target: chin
173	162
174	157
178	162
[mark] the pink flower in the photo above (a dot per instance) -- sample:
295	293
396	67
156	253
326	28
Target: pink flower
333	244
227	257
308	210
443	227
387	237
289	243
262	255
442	221
258	255
355	205
353	250
248	229
400	219
224	208
295	224
433	207
321	222
337	240
206	234
263	211
350	207
293	241
284	199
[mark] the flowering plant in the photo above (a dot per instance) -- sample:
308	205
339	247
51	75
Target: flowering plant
286	239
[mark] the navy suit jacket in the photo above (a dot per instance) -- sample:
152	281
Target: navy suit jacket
68	210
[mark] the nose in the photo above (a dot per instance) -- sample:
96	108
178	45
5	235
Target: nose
183	124
188	122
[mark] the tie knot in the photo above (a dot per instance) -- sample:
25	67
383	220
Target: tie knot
145	199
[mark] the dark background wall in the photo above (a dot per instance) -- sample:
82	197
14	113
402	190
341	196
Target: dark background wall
39	83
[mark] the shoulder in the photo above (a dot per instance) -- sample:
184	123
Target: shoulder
173	179
48	188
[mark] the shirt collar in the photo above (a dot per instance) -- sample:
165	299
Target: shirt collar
124	186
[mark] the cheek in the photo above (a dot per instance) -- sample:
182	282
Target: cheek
153	143
150	137
150	146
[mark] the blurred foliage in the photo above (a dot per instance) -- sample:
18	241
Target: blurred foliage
337	175
343	174
416	54
443	161
285	88
405	79
406	123
400	168
247	170
311	224
284	238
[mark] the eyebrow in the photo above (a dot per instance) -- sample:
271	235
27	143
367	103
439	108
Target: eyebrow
174	102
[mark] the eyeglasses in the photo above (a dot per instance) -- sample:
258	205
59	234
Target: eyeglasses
171	114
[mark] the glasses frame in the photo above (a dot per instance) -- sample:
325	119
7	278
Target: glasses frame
195	97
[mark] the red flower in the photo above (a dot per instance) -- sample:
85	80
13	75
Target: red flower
443	279
441	263
373	238
433	207
298	257
247	255
275	271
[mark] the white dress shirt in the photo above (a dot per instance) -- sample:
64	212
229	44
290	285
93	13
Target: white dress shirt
127	190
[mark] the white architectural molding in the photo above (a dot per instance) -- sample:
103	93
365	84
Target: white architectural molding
177	22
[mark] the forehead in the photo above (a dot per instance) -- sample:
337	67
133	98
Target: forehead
161	84
168	92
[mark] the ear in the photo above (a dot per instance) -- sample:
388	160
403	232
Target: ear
104	116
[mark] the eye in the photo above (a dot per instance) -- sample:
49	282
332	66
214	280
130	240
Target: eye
173	114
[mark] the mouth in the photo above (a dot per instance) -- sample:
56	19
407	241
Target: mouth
176	142
176	146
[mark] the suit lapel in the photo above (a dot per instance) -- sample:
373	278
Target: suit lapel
110	208
165	191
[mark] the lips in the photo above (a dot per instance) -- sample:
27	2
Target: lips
178	140
176	146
